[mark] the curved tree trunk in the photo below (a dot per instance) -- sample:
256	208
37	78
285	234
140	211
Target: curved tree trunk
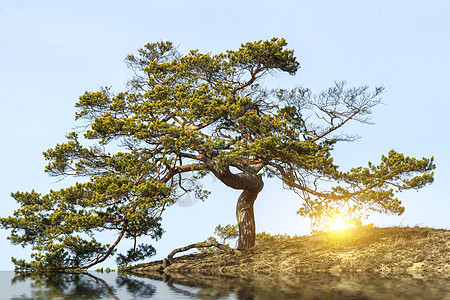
251	184
246	219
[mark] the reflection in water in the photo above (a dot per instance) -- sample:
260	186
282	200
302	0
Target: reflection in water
160	286
65	286
136	287
202	293
80	286
316	287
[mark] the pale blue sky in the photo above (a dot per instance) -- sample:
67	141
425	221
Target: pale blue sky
52	51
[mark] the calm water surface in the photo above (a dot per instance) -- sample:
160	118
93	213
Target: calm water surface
112	286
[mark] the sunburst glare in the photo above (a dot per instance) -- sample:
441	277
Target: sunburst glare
337	223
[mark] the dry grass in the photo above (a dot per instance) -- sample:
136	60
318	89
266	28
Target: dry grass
371	251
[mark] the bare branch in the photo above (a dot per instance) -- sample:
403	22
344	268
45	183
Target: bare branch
198	246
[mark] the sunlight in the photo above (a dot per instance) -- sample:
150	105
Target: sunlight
337	223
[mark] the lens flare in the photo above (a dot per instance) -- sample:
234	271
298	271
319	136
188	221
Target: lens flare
337	223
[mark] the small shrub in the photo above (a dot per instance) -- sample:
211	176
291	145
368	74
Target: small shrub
208	249
263	236
226	232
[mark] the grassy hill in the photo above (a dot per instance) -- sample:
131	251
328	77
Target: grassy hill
420	253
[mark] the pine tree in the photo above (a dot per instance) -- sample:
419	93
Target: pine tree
201	114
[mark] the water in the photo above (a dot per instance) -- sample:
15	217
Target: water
112	286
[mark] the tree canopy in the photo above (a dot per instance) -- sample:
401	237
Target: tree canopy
202	114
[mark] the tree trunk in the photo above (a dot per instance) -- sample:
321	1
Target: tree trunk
246	219
251	184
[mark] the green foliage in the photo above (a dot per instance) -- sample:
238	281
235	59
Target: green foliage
226	232
231	232
370	189
201	114
264	237
208	249
135	254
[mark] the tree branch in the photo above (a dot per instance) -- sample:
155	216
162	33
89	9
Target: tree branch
180	169
199	245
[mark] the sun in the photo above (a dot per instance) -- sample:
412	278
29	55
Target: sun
337	223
